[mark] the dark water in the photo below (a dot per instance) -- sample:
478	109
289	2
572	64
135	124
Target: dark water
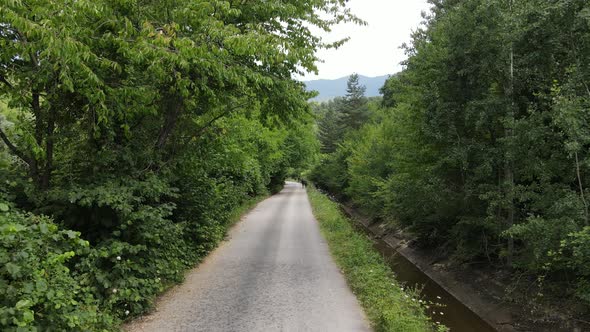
456	316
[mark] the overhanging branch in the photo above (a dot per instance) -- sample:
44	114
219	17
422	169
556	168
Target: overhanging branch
13	148
209	123
5	81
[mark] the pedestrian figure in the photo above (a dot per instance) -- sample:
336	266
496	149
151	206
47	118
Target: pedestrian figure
303	183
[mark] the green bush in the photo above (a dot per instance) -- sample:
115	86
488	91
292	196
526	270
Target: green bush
331	173
137	249
38	291
574	254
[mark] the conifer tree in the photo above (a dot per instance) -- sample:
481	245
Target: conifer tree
354	106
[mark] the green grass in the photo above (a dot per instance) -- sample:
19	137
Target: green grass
237	214
387	306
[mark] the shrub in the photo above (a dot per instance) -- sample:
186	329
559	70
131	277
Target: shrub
575	255
37	289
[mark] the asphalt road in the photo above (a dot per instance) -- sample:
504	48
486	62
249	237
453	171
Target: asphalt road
274	273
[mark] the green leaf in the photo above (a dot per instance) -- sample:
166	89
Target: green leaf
71	234
13	269
4	207
41	285
22	304
28	316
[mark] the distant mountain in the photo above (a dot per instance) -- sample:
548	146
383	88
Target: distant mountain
329	89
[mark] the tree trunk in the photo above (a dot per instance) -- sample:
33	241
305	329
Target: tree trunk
173	106
582	196
34	166
36	106
46	176
509	178
508	171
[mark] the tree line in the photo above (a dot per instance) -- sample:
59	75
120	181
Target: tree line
480	145
131	131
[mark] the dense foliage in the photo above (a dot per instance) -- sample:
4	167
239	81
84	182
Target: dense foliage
481	146
130	133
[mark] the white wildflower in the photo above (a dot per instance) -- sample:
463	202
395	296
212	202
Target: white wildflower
118	258
126	312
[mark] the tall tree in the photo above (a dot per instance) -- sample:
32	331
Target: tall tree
162	72
330	124
354	106
484	147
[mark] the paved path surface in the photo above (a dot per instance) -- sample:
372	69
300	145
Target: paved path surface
274	274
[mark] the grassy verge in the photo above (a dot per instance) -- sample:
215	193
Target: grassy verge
387	305
245	207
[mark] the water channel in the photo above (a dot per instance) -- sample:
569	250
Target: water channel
455	315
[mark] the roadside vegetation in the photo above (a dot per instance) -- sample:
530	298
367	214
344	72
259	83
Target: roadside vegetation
132	133
480	147
130	136
388	306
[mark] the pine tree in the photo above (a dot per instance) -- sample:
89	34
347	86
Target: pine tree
354	108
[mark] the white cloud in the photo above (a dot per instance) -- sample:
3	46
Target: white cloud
374	49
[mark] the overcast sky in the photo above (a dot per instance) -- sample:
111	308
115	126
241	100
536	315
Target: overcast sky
373	50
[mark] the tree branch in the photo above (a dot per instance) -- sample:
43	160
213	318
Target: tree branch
13	148
5	81
581	187
201	130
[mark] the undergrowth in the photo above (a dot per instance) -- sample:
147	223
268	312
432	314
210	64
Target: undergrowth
53	279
